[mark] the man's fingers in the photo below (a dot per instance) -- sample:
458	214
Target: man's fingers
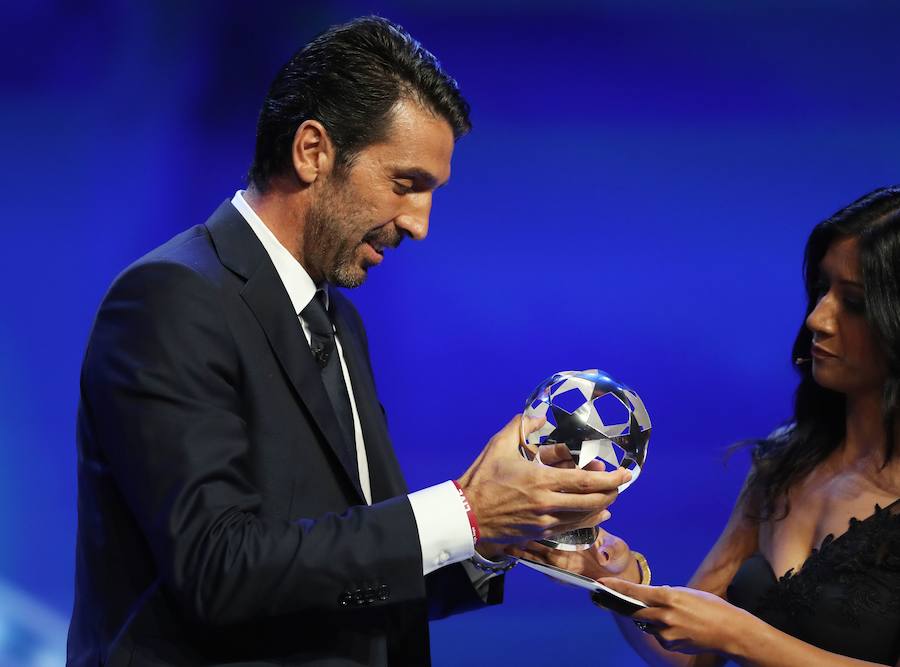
511	436
516	430
556	455
527	425
584	481
593	503
510	432
595	465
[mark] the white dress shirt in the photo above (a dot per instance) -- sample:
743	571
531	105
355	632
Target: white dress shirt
444	533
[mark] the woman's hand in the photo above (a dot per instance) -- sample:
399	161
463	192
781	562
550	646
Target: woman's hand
609	556
687	620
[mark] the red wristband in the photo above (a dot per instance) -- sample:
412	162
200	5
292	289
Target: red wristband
473	521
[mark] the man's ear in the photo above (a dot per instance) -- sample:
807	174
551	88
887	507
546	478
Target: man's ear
312	152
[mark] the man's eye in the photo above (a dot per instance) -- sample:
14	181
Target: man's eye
403	187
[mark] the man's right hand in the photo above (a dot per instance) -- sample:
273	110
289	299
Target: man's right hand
516	501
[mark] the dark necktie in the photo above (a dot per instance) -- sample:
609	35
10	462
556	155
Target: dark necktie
321	334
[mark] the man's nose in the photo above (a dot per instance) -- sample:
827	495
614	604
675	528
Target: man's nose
414	219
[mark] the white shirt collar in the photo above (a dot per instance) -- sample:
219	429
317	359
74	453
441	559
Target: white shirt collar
300	287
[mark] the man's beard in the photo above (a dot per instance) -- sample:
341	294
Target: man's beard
332	224
332	234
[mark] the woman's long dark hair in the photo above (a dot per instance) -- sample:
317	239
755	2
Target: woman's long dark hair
819	423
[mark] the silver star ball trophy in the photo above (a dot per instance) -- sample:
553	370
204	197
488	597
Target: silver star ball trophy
603	423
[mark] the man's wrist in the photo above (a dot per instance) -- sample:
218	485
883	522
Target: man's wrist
487	557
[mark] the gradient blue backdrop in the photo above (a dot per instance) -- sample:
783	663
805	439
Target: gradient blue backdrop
635	196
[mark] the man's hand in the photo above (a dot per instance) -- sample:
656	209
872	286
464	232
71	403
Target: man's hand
517	501
609	556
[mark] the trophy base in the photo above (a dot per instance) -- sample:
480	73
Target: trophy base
573	540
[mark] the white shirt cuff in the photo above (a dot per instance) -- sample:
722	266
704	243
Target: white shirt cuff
444	532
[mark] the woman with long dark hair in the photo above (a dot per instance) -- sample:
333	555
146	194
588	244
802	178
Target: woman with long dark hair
807	570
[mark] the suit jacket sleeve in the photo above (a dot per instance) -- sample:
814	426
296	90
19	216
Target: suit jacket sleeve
452	590
160	384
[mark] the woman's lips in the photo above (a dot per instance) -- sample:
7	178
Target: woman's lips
820	352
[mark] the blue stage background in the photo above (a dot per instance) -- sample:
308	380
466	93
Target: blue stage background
635	196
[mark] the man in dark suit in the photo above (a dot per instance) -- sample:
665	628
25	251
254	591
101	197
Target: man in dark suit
239	499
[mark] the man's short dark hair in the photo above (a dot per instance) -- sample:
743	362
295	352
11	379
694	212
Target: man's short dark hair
349	78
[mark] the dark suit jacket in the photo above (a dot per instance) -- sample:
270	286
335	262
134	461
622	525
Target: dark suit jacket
217	520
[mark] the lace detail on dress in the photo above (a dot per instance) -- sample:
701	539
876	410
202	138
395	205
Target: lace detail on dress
864	563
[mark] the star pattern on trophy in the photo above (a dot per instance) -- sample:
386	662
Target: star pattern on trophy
571	428
598	419
569	402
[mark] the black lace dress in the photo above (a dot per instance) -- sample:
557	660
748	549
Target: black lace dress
846	596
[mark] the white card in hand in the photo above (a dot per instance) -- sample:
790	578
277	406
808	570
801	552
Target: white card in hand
615	601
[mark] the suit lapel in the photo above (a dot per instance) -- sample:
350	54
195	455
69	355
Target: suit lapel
384	472
265	295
